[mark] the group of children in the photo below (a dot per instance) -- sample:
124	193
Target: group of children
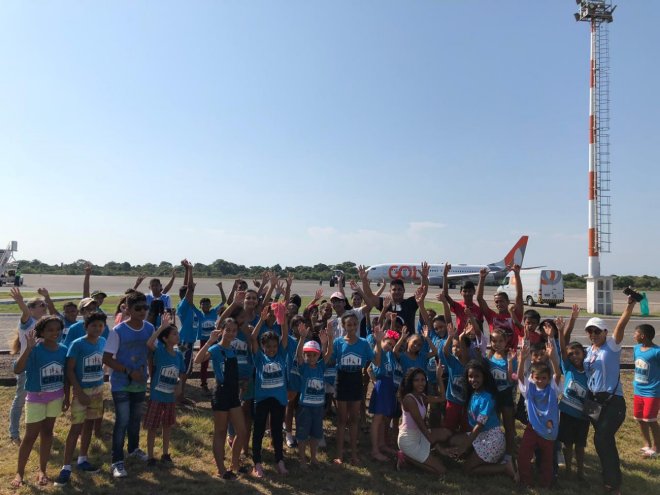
272	364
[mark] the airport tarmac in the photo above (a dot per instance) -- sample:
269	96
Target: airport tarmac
206	286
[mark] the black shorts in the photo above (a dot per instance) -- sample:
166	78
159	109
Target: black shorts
573	430
225	397
349	386
505	397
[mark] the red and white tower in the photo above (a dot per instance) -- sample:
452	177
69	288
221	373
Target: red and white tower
599	14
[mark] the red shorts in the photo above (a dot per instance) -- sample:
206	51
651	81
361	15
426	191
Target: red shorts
160	414
646	408
455	417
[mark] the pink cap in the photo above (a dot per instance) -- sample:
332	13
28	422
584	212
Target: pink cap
312	346
337	295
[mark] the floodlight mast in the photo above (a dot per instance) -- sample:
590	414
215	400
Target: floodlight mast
598	13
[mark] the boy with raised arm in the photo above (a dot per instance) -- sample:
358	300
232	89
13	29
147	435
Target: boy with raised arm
458	308
502	317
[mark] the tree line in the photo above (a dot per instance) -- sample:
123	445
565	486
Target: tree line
320	271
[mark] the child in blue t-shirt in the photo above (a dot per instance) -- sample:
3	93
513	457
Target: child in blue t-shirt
646	385
270	394
573	426
454	357
541	393
351	354
310	362
168	368
502	363
484	445
84	371
44	365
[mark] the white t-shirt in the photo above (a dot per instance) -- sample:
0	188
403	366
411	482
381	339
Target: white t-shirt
337	327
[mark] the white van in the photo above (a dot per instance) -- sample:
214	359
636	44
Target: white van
539	286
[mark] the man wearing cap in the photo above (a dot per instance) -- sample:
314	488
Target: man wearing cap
86	306
406	308
602	365
338	301
98	295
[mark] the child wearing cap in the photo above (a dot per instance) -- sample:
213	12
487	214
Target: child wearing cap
310	361
86	307
646	383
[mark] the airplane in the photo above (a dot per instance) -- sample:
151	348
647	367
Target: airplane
409	272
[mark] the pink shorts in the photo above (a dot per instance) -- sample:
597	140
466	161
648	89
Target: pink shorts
646	408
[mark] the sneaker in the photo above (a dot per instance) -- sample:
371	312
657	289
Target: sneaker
561	462
139	454
87	467
16	441
151	462
118	470
166	459
63	478
229	476
291	441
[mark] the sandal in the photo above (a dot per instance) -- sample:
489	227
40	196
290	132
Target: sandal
281	468
17	482
43	480
229	475
338	462
258	471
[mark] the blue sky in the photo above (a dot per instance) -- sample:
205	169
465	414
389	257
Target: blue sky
299	132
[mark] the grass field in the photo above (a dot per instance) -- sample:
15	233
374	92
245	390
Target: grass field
194	469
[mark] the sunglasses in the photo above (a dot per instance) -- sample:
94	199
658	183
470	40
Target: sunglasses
140	307
593	330
39	305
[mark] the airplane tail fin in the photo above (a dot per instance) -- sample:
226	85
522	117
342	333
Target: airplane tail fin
516	255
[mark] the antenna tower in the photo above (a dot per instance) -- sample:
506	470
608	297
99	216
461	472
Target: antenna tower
599	14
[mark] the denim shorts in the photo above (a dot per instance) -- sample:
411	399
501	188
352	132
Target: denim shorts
309	423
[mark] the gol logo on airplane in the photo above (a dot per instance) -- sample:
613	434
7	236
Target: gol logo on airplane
402	271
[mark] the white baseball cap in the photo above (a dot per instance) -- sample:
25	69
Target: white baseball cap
596	322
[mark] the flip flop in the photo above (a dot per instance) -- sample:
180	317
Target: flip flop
17	483
43	480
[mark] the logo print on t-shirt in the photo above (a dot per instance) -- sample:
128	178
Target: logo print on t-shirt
642	370
351	362
52	377
168	378
93	367
272	375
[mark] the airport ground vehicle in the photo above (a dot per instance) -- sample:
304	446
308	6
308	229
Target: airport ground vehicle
540	286
9	266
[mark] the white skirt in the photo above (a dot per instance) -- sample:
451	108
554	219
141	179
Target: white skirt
414	445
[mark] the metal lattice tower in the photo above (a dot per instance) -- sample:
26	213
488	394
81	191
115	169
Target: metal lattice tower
599	14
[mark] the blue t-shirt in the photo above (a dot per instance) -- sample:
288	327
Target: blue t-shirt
45	369
312	386
602	366
542	408
351	358
388	363
270	375
482	410
219	355
407	362
500	371
189	322
575	390
167	369
456	386
77	330
276	328
647	371
67	324
132	352
89	361
207	322
293	373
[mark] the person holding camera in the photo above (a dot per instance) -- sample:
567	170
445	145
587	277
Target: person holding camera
605	404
